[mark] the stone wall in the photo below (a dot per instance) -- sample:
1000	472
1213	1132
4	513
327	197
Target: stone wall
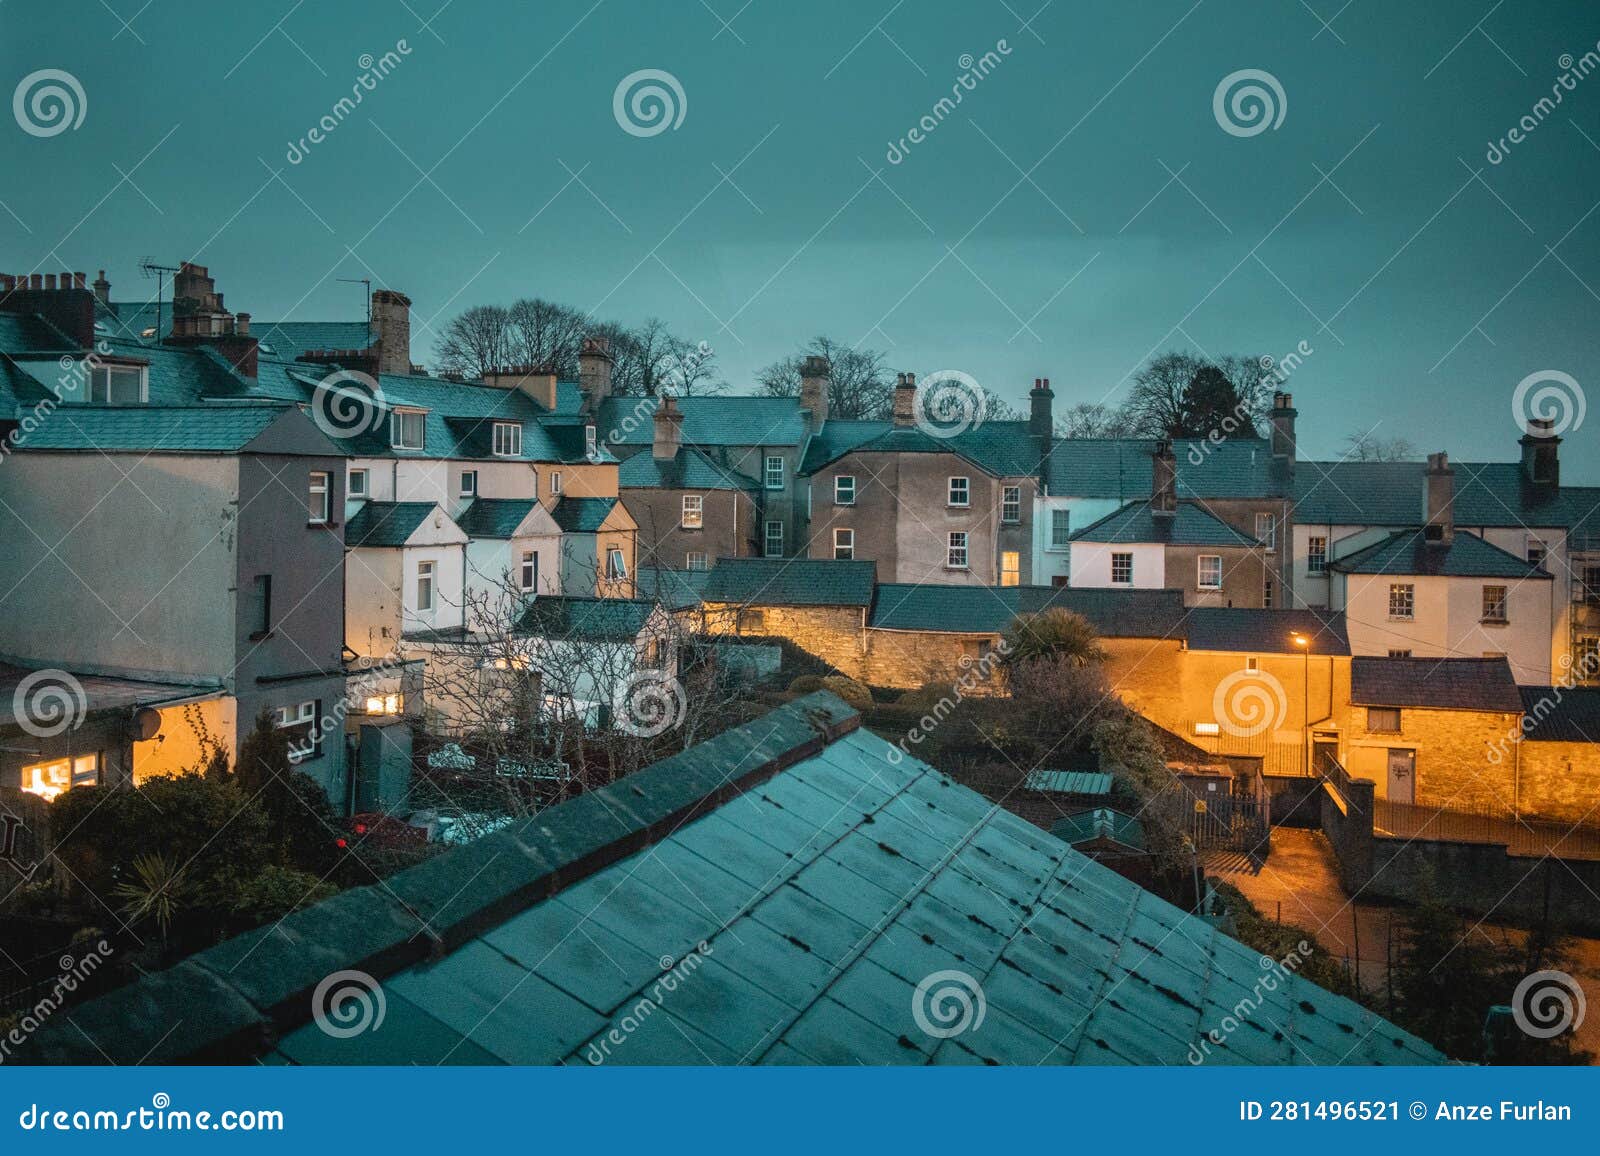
1558	780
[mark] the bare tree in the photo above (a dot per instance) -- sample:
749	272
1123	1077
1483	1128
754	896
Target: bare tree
1156	399
475	340
860	379
1092	419
1365	447
1162	404
546	333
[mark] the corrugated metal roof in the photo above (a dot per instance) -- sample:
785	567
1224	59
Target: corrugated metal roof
1100	823
1068	782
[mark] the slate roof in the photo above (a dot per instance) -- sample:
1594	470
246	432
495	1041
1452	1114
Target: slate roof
825	875
1406	552
589	619
1121	468
288	339
1190	525
494	517
1252	631
1003	449
1483	684
582	515
31	333
674	589
990	609
689	470
1561	714
385	523
218	429
707	421
1100	823
1390	494
791	582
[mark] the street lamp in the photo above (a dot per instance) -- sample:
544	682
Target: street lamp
1304	643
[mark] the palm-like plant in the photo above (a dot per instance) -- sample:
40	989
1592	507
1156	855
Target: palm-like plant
1055	634
156	890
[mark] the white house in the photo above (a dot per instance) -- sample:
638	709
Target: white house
405	572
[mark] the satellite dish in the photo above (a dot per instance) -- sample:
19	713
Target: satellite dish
146	724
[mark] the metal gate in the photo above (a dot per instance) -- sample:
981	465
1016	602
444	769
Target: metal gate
1228	823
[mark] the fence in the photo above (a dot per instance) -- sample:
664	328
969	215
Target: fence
1521	836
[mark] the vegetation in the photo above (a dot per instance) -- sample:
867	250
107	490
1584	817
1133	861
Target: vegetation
1276	940
1053	635
855	693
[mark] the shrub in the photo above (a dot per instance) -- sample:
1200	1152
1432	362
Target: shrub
274	892
853	692
301	825
806	683
1052	634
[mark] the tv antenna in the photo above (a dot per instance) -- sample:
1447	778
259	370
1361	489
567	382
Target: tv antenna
149	267
365	282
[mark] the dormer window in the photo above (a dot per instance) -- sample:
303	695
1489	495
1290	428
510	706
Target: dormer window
408	429
507	439
119	384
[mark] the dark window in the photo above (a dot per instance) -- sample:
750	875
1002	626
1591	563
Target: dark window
261	611
1383	720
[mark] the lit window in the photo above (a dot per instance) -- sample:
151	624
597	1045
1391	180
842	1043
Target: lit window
408	429
957	558
693	511
1010	568
530	570
1267	531
1586	656
773	544
118	385
1210	576
469	483
844	544
1209	728
1402	600
424	586
844	490
1011	504
1122	569
960	492
1317	555
356	484
383	704
1494	604
695	560
318	497
305	736
507	439
1383	720
616	564
49	779
774	472
1060	529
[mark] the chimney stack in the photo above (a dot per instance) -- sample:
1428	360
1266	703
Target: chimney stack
391	325
905	400
815	384
102	288
1282	419
1041	422
1163	480
1438	501
668	430
65	303
1541	462
594	372
537	381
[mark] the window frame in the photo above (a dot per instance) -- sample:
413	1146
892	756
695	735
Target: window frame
397	420
1011	499
844	544
773	462
1122	556
1372	714
310	719
692	518
767	539
1013	575
1537	545
262	594
1502	599
958	557
1060	528
966	493
1270	538
313	489
467	487
1201	563
350	489
695	560
839	486
111	370
1316	555
555	482
616	564
506	439
1408	592
529	562
427	572
69	762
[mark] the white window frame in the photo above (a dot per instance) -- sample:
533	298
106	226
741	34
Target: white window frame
1011	505
1269	539
591	446
772	472
426	577
958	554
301	714
319	498
397	421
768	537
110	372
351	490
616	564
468	486
1504	600
1128	556
1060	528
695	560
693	516
506	439
841	484
1317	554
1408	592
555	482
1201	564
965	488
844	544
528	575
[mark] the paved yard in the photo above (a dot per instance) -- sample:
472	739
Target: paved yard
1299	883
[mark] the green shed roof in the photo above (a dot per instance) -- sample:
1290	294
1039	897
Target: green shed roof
1068	782
1101	823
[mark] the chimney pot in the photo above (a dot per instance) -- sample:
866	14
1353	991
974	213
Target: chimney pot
668	430
49	280
36	281
905	400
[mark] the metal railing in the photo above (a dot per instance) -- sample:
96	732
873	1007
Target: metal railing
1522	836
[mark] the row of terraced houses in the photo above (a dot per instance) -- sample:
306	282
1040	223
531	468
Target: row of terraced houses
196	539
